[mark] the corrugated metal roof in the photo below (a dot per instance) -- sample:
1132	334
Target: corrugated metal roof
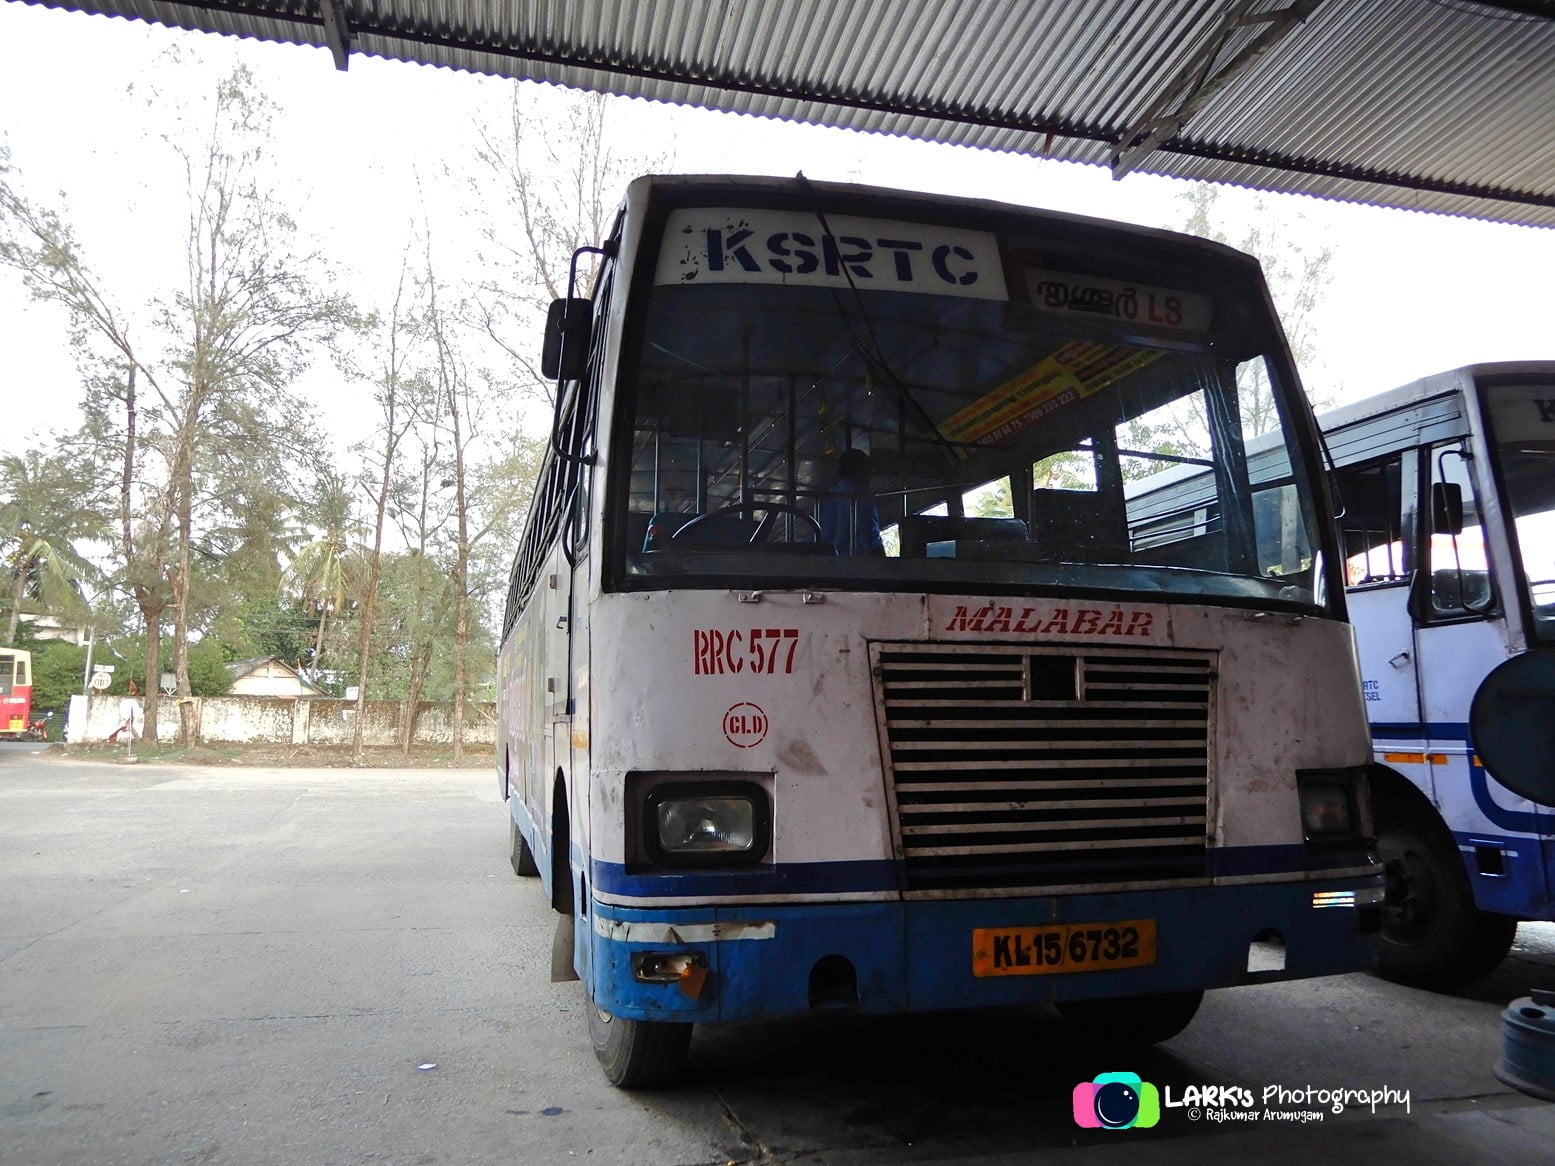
1434	105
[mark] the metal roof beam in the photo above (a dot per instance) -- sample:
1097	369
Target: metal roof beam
1195	83
723	80
420	30
1540	8
337	31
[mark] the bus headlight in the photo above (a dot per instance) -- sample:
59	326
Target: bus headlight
1325	810
1333	804
707	824
704	825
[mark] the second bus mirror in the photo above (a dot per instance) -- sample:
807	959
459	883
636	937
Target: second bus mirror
1446	508
566	350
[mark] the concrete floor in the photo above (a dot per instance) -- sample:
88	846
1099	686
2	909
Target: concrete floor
322	966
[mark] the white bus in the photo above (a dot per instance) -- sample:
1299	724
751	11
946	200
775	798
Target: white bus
1012	750
1447	488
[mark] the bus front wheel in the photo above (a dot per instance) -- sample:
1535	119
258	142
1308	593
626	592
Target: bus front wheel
1132	1021
1432	934
637	1054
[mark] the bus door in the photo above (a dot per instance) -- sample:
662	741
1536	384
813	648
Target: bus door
556	729
565	605
1377	575
565	659
1461	634
568	652
14	708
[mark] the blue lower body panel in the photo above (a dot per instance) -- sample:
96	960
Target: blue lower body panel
1511	875
918	955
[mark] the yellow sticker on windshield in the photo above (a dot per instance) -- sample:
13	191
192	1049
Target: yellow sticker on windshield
1076	371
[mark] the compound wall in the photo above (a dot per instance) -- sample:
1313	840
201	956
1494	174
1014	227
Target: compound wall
281	720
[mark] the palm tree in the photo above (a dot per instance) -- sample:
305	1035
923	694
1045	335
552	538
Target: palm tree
45	511
323	575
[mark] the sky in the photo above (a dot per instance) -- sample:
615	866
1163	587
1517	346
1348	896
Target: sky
83	100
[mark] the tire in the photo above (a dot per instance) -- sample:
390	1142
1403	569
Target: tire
1432	934
637	1054
524	864
1492	939
1132	1021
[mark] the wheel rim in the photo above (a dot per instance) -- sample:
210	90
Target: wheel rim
1411	910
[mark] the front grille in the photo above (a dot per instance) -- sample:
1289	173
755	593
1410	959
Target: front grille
1015	766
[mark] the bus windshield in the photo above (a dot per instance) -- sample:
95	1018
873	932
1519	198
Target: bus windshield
878	404
1522	423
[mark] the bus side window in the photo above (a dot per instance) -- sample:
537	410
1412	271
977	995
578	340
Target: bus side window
1459	570
1371	529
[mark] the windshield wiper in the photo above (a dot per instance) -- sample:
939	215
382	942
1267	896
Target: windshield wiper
868	345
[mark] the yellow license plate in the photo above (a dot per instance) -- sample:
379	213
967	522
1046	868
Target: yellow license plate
1062	948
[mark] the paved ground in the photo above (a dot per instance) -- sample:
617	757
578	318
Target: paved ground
334	966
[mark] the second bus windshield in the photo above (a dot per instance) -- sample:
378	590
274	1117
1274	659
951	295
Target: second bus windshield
1522	418
968	411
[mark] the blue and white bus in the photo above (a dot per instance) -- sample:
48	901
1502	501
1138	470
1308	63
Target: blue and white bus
1448	493
1018	749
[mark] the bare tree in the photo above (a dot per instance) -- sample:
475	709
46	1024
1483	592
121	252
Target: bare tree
395	400
1297	279
489	485
545	190
459	408
37	242
423	519
215	379
250	306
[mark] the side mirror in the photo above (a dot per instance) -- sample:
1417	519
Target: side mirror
566	350
1446	508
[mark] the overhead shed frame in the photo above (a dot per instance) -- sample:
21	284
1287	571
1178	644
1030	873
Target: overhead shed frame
1434	105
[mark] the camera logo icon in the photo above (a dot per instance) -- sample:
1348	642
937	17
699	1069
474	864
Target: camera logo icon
1116	1101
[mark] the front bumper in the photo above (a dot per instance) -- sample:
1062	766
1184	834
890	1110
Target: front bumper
914	956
